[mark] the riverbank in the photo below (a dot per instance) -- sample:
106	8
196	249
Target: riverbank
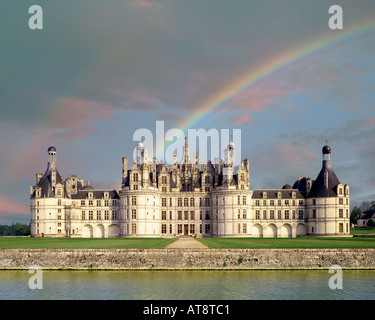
186	259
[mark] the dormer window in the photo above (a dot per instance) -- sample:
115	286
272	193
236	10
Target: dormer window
264	195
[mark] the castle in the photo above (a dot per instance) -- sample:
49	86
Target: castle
188	198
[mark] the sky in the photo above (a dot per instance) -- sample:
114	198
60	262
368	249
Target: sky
100	70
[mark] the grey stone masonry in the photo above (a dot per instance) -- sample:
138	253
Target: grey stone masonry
186	259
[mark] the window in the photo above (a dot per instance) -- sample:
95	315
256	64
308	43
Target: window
340	190
59	202
83	215
272	202
301	202
170	228
207	202
257	203
114	203
134	200
164	228
106	203
82	202
206	179
264	214
341	201
244	200
244	214
341	213
239	228
170	202
192	215
279	214
163	189
272	214
186	215
244	228
300	214
114	215
179	228
91	213
186	202
135	187
59	224
170	215
207	216
191	202
163	202
242	177
257	214
164	180
179	215
59	217
192	228
134	228
207	228
98	203
135	177
98	215
91	203
293	214
163	215
134	214
314	213
59	231
106	215
287	202
179	202
314	202
279	203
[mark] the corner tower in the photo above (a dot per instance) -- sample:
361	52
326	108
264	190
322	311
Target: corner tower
328	201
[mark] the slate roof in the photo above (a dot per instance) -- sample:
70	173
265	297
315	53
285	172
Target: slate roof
272	194
368	214
45	183
318	189
97	194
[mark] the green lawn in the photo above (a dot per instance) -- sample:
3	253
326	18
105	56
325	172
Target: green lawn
95	243
305	242
362	231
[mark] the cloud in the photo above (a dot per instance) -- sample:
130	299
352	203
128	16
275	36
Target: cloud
241	119
9	205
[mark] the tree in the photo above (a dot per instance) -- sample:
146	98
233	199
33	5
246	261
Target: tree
355	214
371	223
19	229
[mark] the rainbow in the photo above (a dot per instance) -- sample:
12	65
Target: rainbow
285	61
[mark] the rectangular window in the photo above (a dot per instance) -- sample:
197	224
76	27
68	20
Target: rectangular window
293	214
244	214
164	180
242	177
179	202
208	202
59	202
314	213
192	215
163	228
83	215
170	215
134	200
341	213
207	228
179	213
279	214
98	215
82	202
341	201
164	215
264	214
134	214
257	214
272	214
106	203
239	228
279	203
179	228
134	228
91	214
301	202
341	227
207	216
192	228
264	202
186	202
135	177
287	202
244	228
163	202
114	215
170	202
300	214
239	200
272	202
257	203
170	228
106	215
114	203
191	202
98	203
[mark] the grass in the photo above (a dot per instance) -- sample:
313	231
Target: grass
362	231
94	243
281	243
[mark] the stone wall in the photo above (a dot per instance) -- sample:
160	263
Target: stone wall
184	259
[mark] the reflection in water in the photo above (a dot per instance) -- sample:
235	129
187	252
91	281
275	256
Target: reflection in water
188	285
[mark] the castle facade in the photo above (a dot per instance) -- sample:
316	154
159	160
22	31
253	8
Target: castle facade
188	198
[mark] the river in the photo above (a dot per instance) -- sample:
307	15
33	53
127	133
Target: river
187	285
